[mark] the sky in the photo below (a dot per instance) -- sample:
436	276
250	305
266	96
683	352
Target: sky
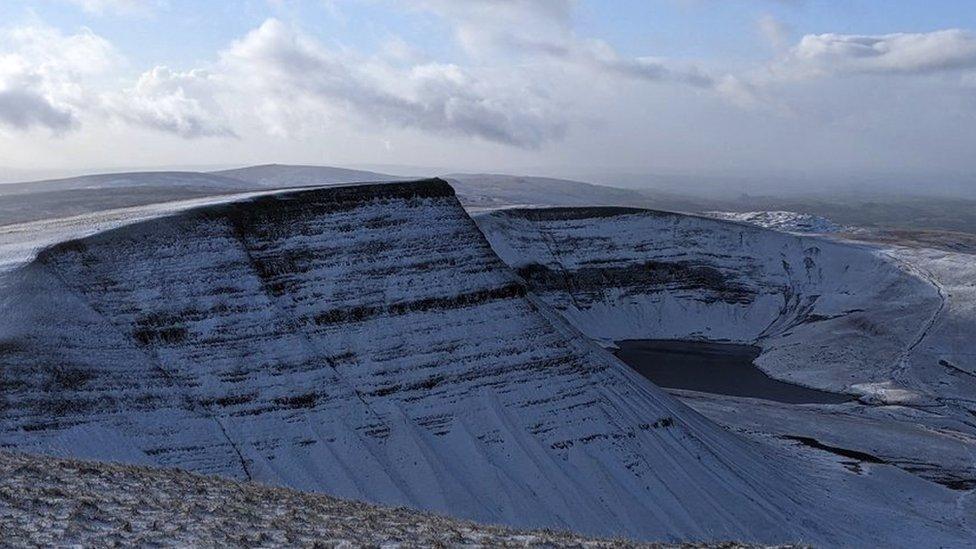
710	87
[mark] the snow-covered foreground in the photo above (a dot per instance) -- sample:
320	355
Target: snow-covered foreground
50	502
367	342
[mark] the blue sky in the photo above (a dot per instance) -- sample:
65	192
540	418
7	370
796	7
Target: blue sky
669	85
185	32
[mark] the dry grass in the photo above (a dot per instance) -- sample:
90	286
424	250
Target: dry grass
48	502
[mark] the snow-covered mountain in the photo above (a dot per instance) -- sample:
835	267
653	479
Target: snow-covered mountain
636	274
366	342
61	198
882	322
478	192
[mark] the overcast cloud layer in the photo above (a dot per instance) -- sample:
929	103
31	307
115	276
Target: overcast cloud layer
524	88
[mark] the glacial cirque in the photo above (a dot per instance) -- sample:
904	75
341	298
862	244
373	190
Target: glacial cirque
883	322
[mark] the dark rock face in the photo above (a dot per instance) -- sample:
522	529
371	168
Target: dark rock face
590	283
365	342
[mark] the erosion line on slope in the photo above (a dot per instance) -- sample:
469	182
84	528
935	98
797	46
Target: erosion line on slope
789	294
901	367
953	367
153	358
240	456
550	245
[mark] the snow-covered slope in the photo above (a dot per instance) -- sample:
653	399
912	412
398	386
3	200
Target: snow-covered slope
815	305
283	175
366	342
791	222
885	323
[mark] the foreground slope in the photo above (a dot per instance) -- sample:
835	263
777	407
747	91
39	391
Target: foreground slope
59	502
64	502
366	342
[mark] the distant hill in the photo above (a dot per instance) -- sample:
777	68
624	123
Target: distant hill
282	175
56	198
59	198
126	180
492	191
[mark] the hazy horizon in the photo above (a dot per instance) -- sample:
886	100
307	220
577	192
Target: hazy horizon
717	185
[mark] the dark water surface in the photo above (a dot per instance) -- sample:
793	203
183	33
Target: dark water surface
720	368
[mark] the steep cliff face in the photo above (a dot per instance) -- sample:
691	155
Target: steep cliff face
827	314
366	342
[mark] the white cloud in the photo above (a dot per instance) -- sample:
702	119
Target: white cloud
43	73
181	103
100	7
297	80
541	31
523	77
776	32
819	55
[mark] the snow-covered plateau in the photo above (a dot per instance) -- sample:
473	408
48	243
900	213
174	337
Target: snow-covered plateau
368	342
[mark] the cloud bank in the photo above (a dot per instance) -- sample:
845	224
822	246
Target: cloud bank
823	55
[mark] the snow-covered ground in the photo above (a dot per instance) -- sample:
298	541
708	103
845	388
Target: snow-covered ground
791	222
